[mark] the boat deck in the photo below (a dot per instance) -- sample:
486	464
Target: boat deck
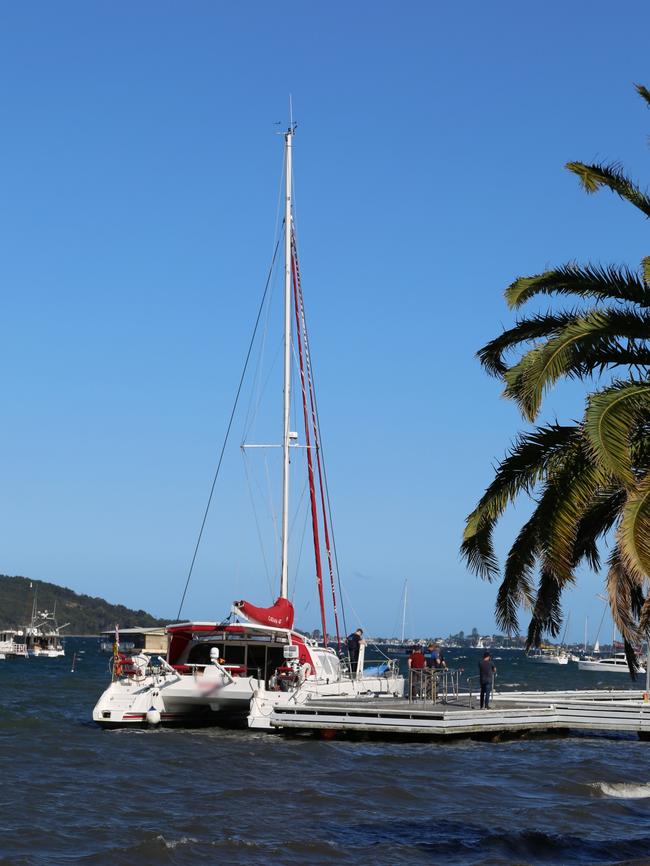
513	714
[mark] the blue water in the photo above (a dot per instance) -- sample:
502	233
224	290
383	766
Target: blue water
73	794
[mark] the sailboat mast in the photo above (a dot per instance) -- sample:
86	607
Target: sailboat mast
284	580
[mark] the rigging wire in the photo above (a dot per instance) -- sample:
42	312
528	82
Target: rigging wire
279	222
329	507
358	619
252	414
302	541
257	523
256	389
272	510
230	422
320	455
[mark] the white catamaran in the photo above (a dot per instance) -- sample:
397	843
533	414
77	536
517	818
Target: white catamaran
240	669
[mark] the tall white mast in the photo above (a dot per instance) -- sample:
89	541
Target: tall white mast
284	580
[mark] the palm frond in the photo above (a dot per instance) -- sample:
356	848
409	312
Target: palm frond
622	587
634	530
589	281
593	177
645	269
609	421
631	659
522	468
644	616
532	328
643	92
477	549
561	355
596	521
516	588
547	612
575	488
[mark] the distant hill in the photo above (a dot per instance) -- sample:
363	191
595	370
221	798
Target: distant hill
86	615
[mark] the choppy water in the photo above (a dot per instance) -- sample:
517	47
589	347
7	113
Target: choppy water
73	794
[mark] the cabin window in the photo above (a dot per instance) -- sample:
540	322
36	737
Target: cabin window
276	660
256	660
200	654
235	655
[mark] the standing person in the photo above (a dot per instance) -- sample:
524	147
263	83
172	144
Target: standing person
440	662
432	655
417	663
354	642
486	672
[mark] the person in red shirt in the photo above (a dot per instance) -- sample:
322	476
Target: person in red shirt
417	663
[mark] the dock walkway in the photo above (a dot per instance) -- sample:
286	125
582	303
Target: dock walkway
515	713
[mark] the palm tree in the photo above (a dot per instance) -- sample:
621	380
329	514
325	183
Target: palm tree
590	477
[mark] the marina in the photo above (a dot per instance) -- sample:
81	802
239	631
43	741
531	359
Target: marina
376	792
304	305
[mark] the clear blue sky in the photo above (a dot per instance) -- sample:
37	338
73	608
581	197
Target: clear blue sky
139	170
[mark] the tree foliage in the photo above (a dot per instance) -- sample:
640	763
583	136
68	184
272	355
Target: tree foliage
590	479
86	615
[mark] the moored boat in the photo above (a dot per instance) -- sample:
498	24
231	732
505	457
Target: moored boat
240	669
549	656
614	664
43	635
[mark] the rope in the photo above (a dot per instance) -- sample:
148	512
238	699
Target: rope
226	437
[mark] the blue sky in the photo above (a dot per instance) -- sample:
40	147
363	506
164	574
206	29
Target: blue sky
139	168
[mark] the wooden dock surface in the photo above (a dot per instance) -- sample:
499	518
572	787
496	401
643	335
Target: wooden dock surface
516	713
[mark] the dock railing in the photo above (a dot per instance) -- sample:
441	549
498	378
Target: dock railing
433	685
470	688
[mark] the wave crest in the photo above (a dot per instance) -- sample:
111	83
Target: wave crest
624	790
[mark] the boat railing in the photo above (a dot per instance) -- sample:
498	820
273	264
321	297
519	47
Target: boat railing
232	670
433	685
19	649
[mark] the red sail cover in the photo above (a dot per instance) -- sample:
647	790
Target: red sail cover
280	615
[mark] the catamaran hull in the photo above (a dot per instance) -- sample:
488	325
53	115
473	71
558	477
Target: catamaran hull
184	700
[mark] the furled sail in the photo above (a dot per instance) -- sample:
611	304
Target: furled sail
279	615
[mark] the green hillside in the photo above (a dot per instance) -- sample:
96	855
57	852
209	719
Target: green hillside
86	615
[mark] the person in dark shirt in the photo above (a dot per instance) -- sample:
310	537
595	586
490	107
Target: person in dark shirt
486	672
354	642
